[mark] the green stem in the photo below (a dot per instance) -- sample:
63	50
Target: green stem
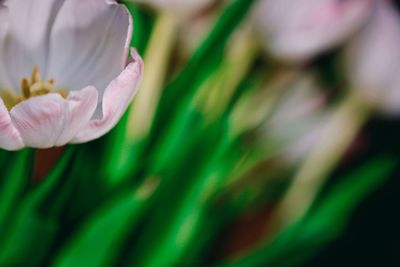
157	57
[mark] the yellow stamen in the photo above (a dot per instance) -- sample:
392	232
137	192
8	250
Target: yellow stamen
9	98
31	87
41	87
25	88
35	77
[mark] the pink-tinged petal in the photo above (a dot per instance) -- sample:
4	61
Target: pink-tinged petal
298	30
89	43
81	106
373	60
116	99
10	138
40	120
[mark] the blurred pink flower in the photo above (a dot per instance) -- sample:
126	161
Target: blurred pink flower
298	30
373	59
70	61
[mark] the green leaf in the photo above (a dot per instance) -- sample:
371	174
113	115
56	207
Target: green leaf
324	222
16	178
35	224
98	241
203	63
185	194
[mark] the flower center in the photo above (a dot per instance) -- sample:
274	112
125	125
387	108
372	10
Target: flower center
31	87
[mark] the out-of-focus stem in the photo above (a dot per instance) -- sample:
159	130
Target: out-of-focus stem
217	92
156	65
254	109
335	140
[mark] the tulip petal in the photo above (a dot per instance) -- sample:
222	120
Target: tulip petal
40	120
4	25
116	99
10	139
27	42
81	106
77	43
89	44
373	60
298	30
4	18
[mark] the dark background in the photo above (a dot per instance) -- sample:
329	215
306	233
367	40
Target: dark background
373	236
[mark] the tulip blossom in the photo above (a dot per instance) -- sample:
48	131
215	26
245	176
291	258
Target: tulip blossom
373	60
298	30
65	76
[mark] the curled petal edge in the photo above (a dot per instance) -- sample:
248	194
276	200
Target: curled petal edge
117	97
